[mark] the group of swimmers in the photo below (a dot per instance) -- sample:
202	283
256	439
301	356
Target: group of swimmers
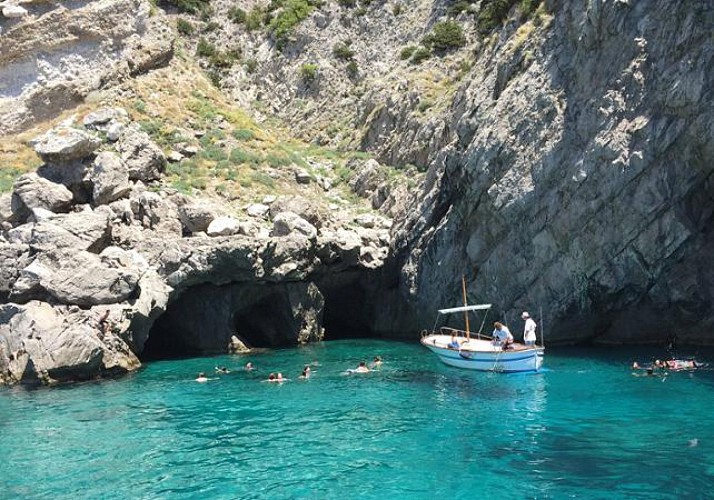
658	366
304	375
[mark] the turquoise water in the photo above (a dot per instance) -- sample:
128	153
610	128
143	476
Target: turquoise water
585	428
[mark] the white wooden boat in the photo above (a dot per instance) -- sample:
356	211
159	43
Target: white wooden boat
480	353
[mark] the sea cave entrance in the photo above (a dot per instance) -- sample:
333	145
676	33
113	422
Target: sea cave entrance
202	319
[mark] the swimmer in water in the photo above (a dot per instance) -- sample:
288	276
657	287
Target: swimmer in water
201	378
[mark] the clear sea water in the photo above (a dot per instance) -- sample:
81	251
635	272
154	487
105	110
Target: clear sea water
416	429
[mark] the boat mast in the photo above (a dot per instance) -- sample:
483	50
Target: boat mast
466	313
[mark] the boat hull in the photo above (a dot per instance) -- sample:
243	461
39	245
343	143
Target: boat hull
482	355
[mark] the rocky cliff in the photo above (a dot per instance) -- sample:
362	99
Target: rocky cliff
579	177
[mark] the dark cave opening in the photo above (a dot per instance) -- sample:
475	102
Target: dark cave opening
203	318
349	306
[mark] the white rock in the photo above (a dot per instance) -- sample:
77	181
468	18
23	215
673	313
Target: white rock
13	11
223	226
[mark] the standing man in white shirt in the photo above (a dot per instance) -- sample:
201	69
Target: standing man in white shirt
529	331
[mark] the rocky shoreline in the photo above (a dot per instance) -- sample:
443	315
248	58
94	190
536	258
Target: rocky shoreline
94	249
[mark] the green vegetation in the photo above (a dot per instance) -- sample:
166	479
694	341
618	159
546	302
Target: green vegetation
352	69
8	175
348	4
397	9
342	51
225	59
190	6
243	134
445	35
308	72
237	15
184	27
255	19
204	48
291	14
251	65
407	52
420	54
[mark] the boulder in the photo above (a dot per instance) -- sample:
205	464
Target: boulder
99	117
13	11
143	158
109	177
286	223
89	231
197	216
223	226
48	344
305	208
31	191
76	278
258	210
114	130
65	144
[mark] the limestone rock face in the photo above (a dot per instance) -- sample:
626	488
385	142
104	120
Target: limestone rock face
54	55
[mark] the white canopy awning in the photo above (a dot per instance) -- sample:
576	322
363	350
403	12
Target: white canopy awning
475	307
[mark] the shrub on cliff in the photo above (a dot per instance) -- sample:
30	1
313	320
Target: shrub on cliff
494	13
445	35
184	27
308	72
190	6
237	15
342	51
292	13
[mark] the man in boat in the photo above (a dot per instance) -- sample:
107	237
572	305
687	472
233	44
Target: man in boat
502	336
529	331
454	344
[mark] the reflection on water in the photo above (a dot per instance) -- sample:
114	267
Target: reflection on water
583	428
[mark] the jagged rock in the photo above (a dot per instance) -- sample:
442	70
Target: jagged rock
155	213
258	210
286	223
237	346
223	226
302	176
109	177
101	116
196	217
20	235
308	210
367	178
143	158
31	191
13	257
89	231
64	145
47	344
81	279
115	131
6	214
